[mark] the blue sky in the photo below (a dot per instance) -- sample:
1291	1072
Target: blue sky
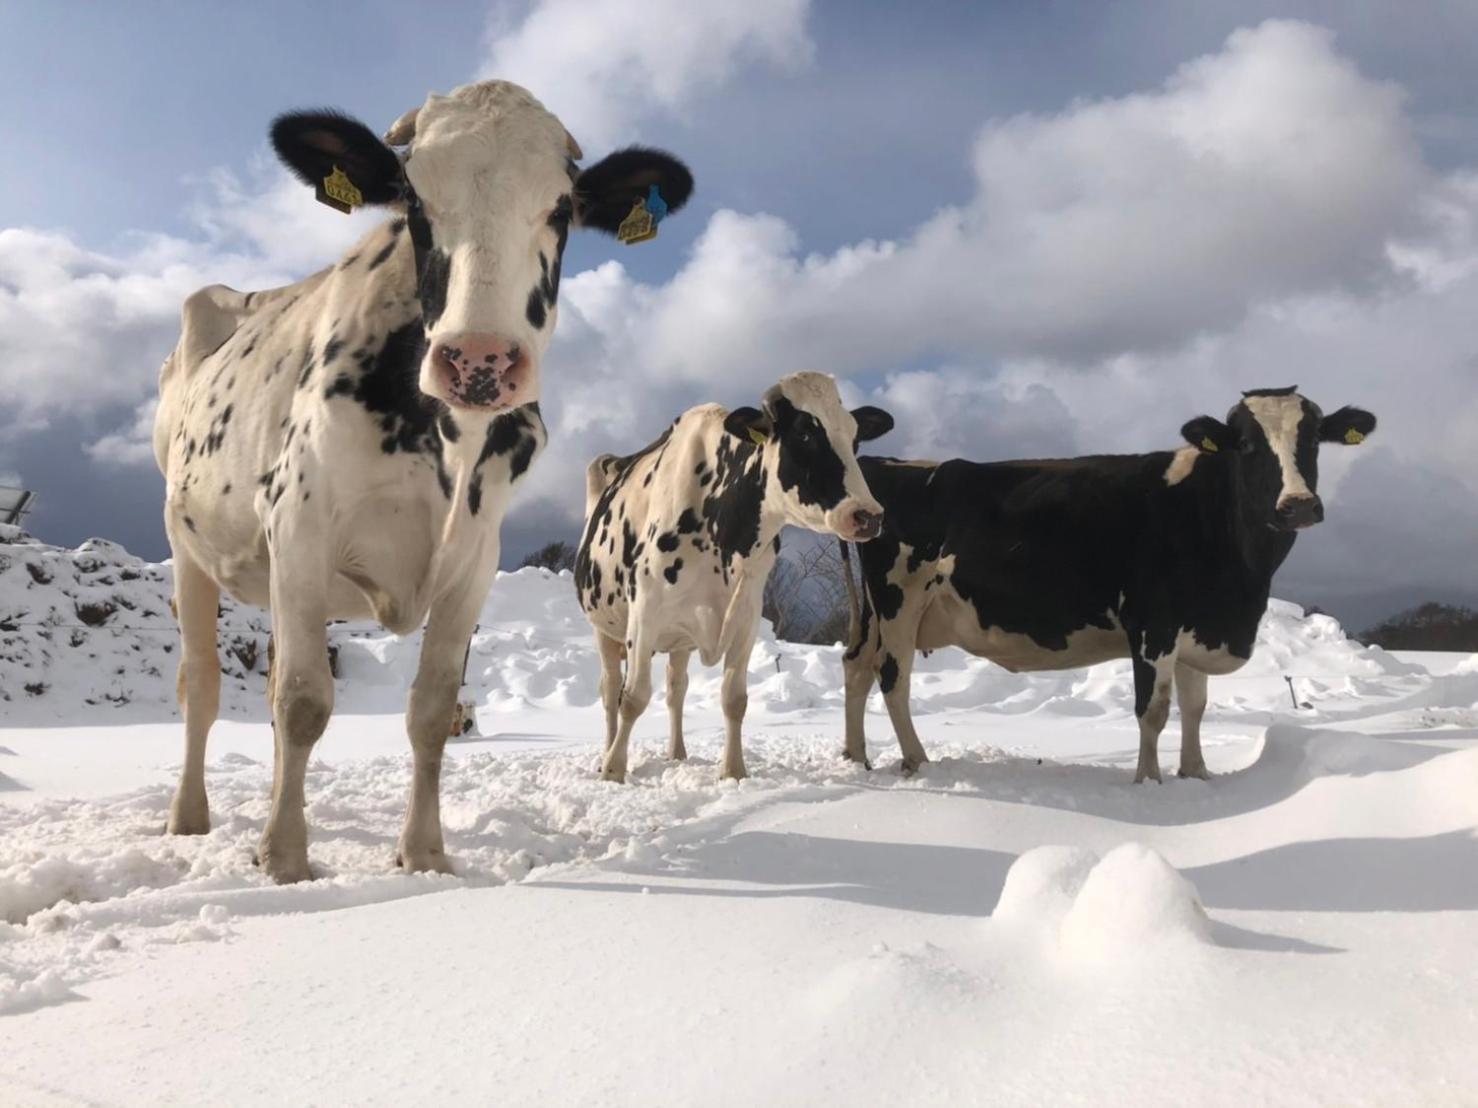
998	218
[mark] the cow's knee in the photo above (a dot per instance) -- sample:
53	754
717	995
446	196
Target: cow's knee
301	712
735	702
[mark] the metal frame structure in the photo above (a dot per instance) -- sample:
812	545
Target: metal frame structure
15	503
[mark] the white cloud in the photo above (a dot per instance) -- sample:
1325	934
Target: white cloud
132	445
603	65
82	331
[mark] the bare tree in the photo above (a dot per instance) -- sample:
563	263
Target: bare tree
555	555
806	595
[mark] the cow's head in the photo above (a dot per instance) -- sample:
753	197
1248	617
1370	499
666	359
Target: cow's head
490	184
810	442
1271	438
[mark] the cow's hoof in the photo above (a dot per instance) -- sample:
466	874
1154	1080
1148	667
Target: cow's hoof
862	761
1148	774
284	867
677	754
193	819
909	767
423	861
616	775
734	773
1200	772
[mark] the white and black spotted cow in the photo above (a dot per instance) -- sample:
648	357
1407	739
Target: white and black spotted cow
680	538
1164	558
345	447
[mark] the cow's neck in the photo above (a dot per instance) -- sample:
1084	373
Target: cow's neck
1228	523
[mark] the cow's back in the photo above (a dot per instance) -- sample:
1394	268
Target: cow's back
1028	562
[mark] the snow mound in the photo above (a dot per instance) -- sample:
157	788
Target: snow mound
1129	904
1132	902
86	635
1041	886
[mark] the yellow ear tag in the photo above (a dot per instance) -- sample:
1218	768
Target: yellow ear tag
638	226
1354	437
758	437
338	192
1209	446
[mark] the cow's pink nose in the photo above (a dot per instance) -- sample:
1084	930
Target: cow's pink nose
479	371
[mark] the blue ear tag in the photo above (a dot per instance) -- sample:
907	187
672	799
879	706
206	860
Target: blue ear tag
656	205
641	222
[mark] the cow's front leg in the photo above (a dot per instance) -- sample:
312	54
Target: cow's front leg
1190	692
859	669
1152	677
677	691
735	693
897	645
636	693
302	698
433	702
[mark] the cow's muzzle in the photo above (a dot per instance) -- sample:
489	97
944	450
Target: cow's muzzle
480	372
1297	512
865	525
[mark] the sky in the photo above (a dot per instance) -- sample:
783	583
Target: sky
1025	229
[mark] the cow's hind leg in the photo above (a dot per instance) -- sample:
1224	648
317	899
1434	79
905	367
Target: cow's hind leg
1190	692
1152	680
636	693
302	689
433	701
611	679
196	597
677	691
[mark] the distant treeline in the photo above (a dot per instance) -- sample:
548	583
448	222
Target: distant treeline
1429	626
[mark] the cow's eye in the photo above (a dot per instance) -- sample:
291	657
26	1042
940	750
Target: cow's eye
1247	447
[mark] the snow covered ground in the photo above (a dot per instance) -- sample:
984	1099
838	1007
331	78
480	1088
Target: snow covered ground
1016	924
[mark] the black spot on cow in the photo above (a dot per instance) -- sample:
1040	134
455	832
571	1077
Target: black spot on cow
226	489
331	350
535	310
382	255
190	523
672	571
808	467
888	674
667	542
688	523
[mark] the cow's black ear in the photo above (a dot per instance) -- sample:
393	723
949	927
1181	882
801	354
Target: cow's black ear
872	423
1208	435
314	143
1348	425
605	193
749	424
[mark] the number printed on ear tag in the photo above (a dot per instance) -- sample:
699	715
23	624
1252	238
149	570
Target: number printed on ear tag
339	193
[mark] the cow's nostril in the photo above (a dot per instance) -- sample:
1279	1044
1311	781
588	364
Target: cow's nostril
867	523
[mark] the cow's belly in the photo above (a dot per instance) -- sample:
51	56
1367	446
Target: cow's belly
687	619
951	621
1212	660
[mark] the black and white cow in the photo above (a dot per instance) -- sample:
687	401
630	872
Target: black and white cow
680	537
1163	558
345	447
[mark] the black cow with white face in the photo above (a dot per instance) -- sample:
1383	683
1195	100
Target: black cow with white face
680	538
346	447
1164	558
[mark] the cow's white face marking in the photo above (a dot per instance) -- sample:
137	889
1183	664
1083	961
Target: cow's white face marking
821	482
491	168
1181	465
1280	418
